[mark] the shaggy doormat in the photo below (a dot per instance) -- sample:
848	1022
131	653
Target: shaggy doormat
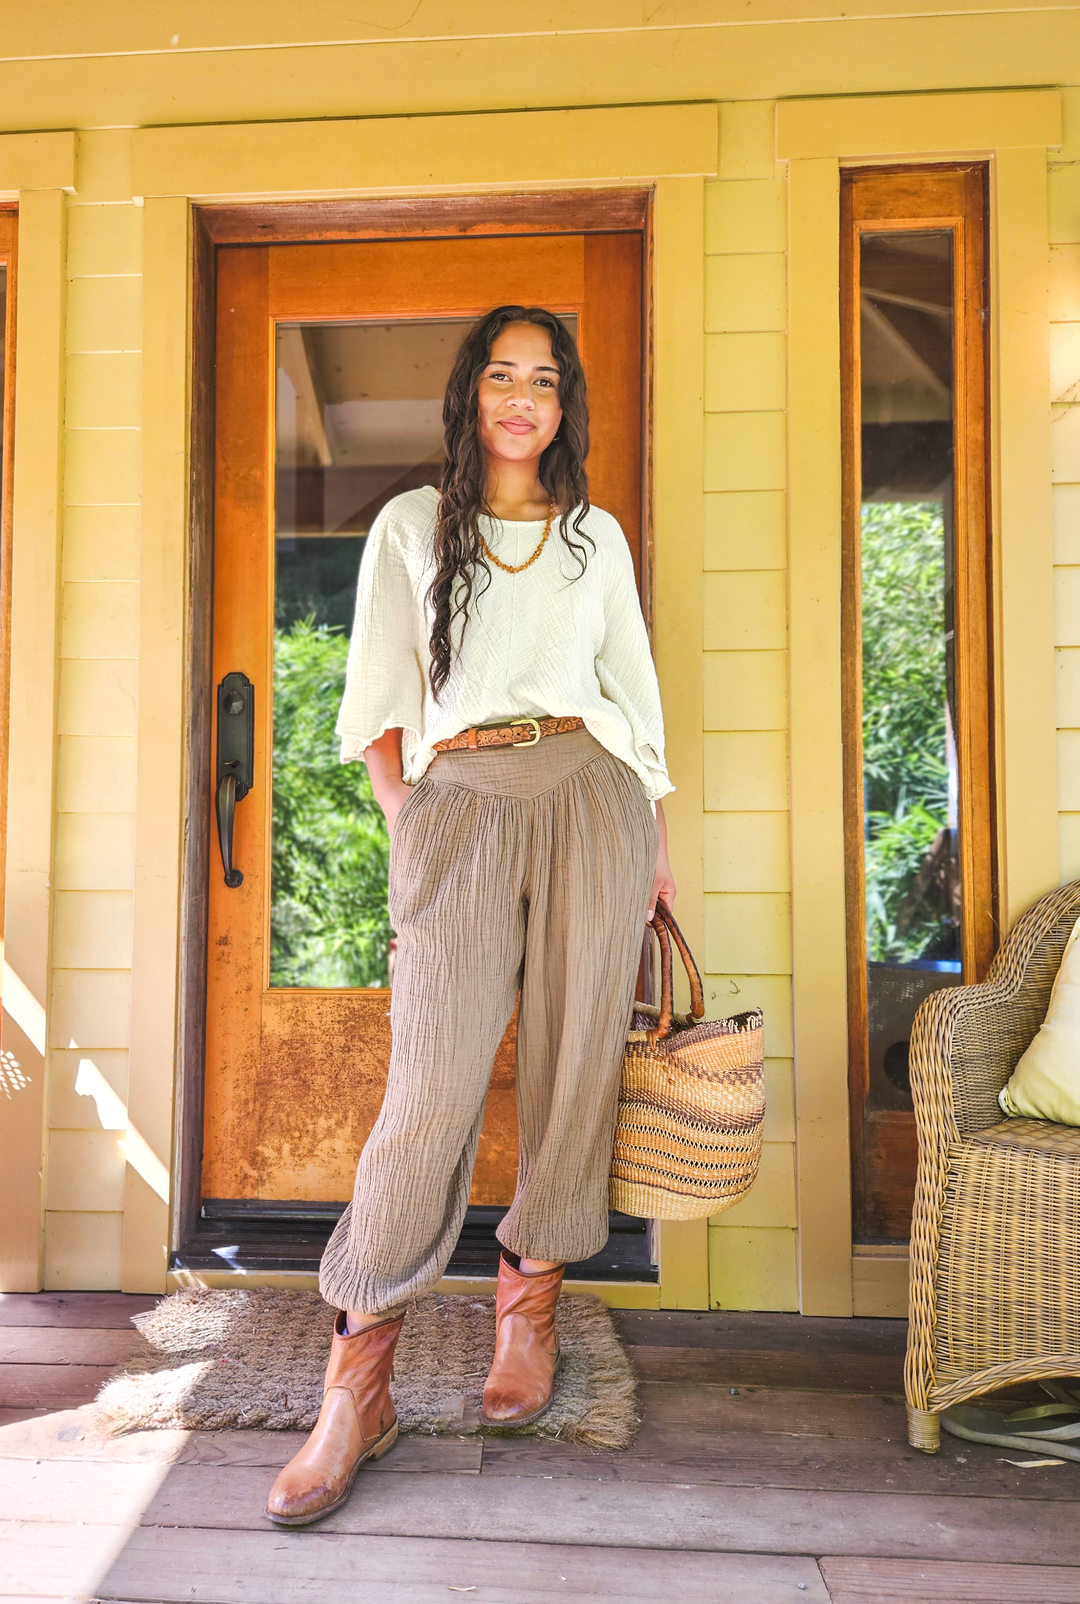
243	1359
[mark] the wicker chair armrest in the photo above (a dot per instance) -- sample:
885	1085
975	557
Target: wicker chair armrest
967	1040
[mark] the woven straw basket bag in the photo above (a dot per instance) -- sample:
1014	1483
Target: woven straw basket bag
691	1104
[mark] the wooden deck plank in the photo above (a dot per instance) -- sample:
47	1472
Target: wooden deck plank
270	1567
51	1345
93	1494
646	1515
73	1309
271	1449
891	1581
738	1460
752	1368
55	1559
767	1460
666	1450
10	1414
792	1412
70	1434
50	1386
731	1329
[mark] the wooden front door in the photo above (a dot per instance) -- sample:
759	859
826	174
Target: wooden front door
331	365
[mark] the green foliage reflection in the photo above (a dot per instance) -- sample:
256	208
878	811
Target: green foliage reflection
329	924
909	885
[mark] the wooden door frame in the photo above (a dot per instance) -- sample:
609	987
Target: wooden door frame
9	251
297	222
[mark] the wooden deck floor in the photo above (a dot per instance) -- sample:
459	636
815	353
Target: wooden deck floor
771	1466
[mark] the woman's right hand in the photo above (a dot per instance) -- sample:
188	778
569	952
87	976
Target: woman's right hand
383	759
393	799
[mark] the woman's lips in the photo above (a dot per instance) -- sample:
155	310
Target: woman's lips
517	425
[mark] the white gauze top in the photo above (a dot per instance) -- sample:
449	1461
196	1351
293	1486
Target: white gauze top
548	642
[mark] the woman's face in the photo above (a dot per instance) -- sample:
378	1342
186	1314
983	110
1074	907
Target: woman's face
518	395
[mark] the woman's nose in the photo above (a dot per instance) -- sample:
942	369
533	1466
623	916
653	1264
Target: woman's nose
521	397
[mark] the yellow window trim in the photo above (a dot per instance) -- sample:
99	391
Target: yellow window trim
1013	131
34	644
36	161
490	150
906	127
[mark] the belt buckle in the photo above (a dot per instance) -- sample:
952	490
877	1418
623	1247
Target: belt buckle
534	725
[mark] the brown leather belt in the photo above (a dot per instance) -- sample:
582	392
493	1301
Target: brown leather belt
485	735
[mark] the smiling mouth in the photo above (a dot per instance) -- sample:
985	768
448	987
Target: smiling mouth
517	425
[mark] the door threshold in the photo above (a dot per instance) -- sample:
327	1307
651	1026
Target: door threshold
250	1238
616	1294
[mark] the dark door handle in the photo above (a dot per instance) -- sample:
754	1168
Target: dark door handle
235	762
226	813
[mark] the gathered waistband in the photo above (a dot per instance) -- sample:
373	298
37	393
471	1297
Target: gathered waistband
522	771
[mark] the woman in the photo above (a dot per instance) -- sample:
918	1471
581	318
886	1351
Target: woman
500	690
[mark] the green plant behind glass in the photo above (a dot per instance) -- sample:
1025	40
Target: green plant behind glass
329	924
904	733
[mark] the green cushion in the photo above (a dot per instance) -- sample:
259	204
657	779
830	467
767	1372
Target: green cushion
1046	1082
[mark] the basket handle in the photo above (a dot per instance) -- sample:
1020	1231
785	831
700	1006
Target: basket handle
667	989
664	926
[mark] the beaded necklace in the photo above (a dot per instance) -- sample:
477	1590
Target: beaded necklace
520	569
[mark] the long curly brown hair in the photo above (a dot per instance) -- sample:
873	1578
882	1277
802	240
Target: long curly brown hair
462	572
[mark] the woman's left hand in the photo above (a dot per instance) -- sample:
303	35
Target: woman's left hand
663	881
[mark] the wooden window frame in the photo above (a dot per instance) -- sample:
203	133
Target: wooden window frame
879	200
310	222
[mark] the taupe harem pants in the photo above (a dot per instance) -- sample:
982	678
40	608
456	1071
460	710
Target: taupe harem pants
512	867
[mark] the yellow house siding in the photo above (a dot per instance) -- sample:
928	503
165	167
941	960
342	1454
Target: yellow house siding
770	1203
751	215
750	686
745	294
779	1100
99	646
752	1268
745	770
87	1094
753	928
81	1250
747	950
1064	204
745	372
745	610
90	1009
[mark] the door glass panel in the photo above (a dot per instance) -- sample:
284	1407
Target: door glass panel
358	421
910	787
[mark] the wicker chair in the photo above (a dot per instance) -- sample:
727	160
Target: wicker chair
995	1242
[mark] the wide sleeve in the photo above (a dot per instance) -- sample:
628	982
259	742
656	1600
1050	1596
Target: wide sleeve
624	666
384	682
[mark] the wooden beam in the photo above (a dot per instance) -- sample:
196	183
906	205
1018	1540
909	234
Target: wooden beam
428	217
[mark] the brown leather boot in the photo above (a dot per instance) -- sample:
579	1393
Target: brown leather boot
526	1346
356	1422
